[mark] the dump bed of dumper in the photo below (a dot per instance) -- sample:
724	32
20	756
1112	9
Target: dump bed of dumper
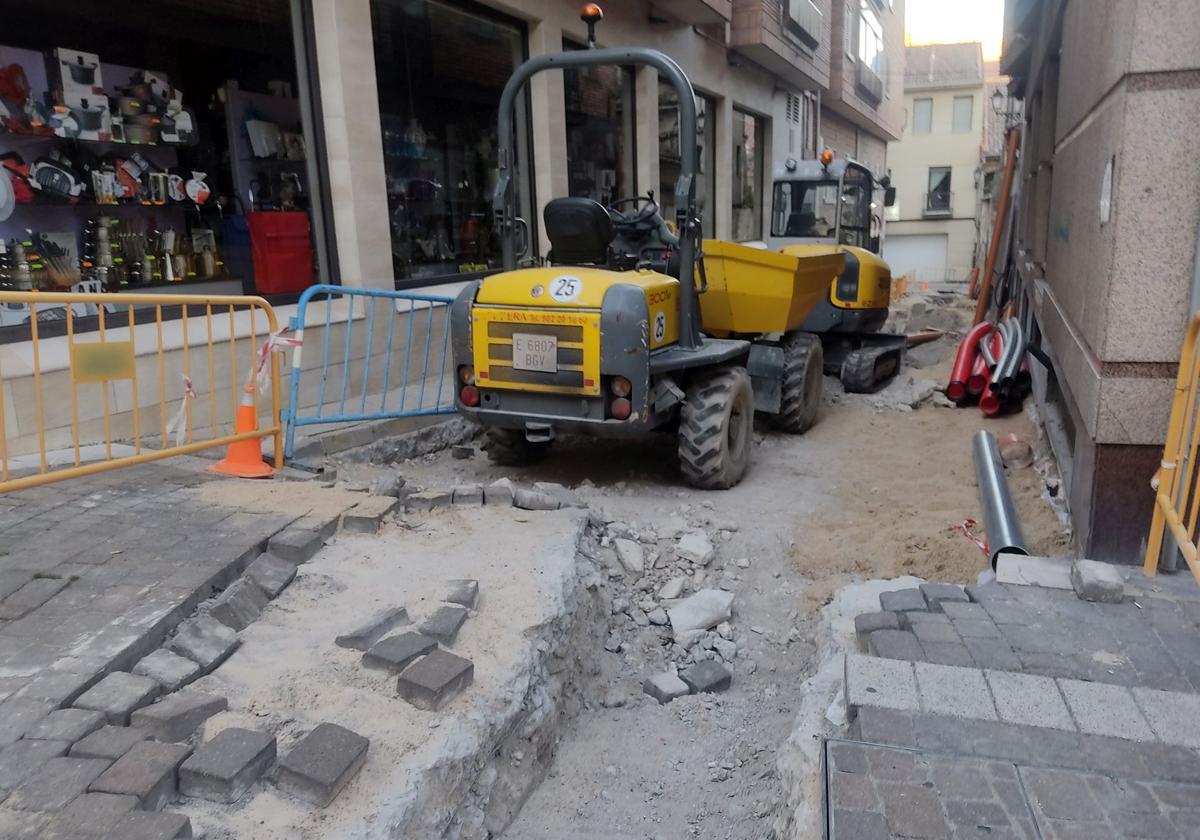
751	290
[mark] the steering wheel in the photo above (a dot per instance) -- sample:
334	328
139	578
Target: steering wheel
644	208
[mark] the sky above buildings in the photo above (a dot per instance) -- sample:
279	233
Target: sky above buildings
948	21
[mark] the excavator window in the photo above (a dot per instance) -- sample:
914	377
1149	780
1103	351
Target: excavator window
805	209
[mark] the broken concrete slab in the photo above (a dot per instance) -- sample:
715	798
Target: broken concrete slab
902	600
428	500
239	605
373	629
224	768
695	547
463	592
322	763
701	611
665	687
176	717
205	641
296	545
434	679
672	589
500	493
469	495
658	617
108	743
366	516
18	761
1096	581
534	500
630	555
53	785
147	771
445	623
68	725
939	594
148	825
707	677
271	573
169	670
396	652
1047	572
117	695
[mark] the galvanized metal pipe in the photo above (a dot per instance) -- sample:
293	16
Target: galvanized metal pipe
1000	521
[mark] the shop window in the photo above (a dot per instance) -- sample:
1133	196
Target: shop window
440	70
747	176
600	131
669	154
964	107
922	116
161	155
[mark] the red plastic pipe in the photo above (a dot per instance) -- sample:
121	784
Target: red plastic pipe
964	361
981	374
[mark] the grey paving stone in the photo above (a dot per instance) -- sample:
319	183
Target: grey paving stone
1101	709
322	763
1029	700
428	500
939	633
1095	581
205	641
90	815
239	605
19	760
1011	612
858	825
224	768
467	494
68	725
969	628
912	810
948	653
944	734
959	692
707	676
108	743
885	726
53	785
445	623
431	681
177	717
373	629
29	597
463	592
995	654
58	687
146	825
937	595
965	611
271	573
884	683
665	687
867	623
366	516
499	492
895	644
902	600
295	544
117	695
395	653
147	771
909	620
1172	715
169	670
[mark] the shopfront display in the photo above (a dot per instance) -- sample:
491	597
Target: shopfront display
747	176
440	68
669	154
600	132
148	152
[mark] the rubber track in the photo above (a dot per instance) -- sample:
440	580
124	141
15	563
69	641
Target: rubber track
859	371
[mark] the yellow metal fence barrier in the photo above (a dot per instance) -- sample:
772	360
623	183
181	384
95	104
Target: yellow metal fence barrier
100	371
1177	482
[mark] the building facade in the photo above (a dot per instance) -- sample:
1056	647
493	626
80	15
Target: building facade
1105	242
932	232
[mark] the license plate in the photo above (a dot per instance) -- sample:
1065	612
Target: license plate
535	352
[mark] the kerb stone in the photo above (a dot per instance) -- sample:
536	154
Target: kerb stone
170	670
224	768
445	623
1105	709
665	687
271	573
1095	581
883	683
957	692
470	495
499	493
117	695
147	771
373	629
366	516
1029	700
534	500
322	763
239	605
1047	572
428	500
431	681
205	641
707	676
176	717
396	652
296	545
53	785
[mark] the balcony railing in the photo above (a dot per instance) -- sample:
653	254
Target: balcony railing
939	203
870	86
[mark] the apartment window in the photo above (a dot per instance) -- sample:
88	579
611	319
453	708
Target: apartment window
872	62
747	176
964	106
922	116
938	199
803	20
848	33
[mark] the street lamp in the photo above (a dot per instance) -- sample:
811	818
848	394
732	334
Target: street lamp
998	102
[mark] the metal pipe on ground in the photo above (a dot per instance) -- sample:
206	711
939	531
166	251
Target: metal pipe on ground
1000	521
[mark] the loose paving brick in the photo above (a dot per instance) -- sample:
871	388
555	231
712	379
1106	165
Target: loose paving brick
147	771
271	573
885	683
1095	581
143	825
117	695
394	653
90	815
958	692
902	600
176	717
428	500
1101	709
19	760
499	493
68	725
224	768
434	679
55	784
707	677
895	644
239	605
665	687
205	641
445	623
937	595
366	516
169	670
296	545
322	763
1171	714
463	592
373	629
108	743
1029	700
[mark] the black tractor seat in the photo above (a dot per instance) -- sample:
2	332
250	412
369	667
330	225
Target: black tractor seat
580	231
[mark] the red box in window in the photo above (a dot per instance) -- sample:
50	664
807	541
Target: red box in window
281	244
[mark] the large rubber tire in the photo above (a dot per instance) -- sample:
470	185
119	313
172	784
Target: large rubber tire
716	426
509	448
803	383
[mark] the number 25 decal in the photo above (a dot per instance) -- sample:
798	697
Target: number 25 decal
565	288
660	326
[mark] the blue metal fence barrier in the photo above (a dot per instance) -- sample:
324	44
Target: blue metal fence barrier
395	371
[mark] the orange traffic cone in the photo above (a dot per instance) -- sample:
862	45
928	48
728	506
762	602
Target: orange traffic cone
244	458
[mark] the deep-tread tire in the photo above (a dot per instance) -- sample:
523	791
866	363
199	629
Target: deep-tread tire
716	426
509	448
803	383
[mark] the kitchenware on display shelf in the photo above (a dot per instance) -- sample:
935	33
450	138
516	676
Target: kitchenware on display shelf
158	187
89	117
56	178
8	198
129	106
82	73
175	187
196	188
